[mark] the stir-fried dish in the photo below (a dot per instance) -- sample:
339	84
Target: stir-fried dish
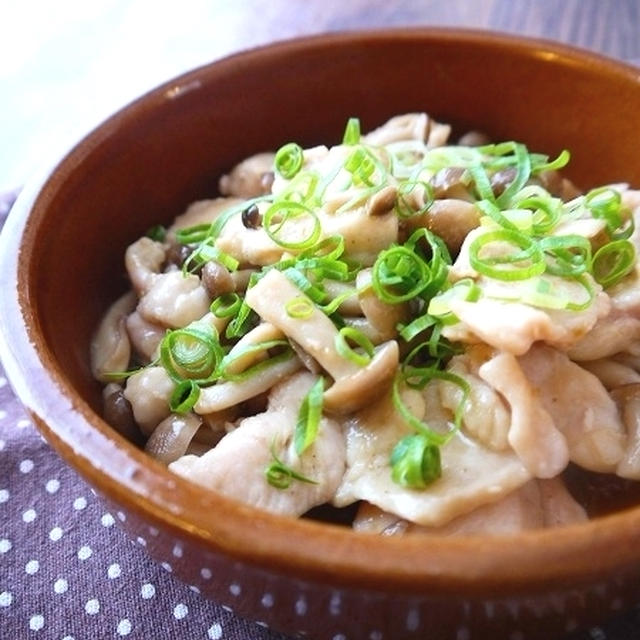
431	332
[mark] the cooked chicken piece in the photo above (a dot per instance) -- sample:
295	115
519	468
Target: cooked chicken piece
149	391
174	300
609	336
617	330
409	126
486	417
247	178
471	474
236	466
503	318
514	327
590	228
364	236
580	407
628	400
515	512
250	246
612	373
537	504
533	434
201	212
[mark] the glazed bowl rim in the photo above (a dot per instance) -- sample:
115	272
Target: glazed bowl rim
127	476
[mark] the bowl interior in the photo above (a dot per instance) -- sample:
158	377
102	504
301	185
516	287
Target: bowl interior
144	165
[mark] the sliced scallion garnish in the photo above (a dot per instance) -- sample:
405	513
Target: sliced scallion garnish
226	305
352	132
613	261
184	396
351	334
190	354
309	417
280	476
288	160
300	307
287	224
415	462
525	263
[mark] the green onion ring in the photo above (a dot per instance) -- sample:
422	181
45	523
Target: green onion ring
530	251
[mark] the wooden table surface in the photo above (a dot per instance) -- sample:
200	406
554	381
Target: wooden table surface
66	65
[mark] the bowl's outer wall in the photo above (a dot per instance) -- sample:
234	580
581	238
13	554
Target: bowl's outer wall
147	163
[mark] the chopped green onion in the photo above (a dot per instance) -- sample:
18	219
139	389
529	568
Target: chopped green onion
331	307
404	207
331	248
184	396
415	423
280	476
122	375
190	353
352	132
605	203
546	209
311	290
346	351
567	256
495	213
415	462
406	158
299	307
157	233
481	182
541	162
530	252
585	282
362	165
399	274
209	232
613	261
523	171
417	326
439	306
245	315
194	234
302	188
286	222
288	160
226	305
237	353
309	417
207	252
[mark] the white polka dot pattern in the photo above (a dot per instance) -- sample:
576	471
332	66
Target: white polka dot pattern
67	573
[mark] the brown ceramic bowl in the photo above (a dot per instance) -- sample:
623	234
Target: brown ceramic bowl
61	258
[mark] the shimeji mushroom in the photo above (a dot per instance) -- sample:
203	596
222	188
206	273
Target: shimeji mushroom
110	347
354	385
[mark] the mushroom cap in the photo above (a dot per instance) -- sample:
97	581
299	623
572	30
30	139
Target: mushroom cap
352	392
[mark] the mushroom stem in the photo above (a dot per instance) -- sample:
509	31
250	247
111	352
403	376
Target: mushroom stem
353	384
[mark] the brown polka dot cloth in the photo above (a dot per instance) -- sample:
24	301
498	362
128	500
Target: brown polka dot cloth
68	572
